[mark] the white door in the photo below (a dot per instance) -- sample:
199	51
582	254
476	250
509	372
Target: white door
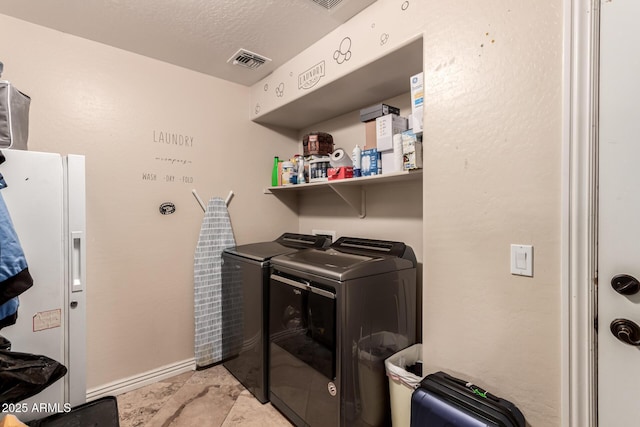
619	214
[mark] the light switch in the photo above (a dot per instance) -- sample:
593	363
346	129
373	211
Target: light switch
522	260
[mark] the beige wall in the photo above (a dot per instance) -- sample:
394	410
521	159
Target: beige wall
491	178
107	104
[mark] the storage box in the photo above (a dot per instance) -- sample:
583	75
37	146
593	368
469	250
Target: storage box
417	101
411	151
386	127
392	160
370	135
341	172
14	116
389	163
318	143
370	162
375	111
318	166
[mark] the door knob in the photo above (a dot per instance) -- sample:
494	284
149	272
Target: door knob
625	284
626	331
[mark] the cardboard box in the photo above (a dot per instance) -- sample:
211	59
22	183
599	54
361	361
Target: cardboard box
341	172
370	135
411	151
386	127
389	163
417	101
369	162
375	111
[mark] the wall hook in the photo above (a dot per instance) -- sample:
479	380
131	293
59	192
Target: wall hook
229	197
201	203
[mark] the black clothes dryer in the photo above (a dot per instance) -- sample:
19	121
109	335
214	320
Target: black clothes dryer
335	315
245	274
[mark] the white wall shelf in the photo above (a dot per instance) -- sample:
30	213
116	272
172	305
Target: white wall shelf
351	191
381	79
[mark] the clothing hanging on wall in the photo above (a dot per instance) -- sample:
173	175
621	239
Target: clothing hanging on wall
9	312
14	272
215	338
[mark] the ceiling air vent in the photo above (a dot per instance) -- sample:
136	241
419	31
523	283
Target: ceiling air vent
248	59
327	4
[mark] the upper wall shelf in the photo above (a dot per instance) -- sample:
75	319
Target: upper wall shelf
350	190
381	79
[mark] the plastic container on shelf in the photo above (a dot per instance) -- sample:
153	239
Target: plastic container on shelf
357	160
301	179
287	173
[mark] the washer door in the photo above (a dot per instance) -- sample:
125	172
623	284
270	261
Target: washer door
303	350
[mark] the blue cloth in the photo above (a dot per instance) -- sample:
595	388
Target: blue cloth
9	308
12	260
14	272
9	313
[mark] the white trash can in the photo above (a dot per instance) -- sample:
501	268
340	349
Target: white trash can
402	383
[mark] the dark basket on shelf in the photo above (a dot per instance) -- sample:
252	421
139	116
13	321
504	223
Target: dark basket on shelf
318	143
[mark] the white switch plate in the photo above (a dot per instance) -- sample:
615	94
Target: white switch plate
522	260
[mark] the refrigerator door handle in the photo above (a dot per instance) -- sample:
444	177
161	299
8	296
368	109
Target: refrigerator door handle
77	243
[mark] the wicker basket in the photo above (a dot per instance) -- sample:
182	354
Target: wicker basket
318	143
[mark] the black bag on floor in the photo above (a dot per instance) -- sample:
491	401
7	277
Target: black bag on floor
23	375
98	413
443	400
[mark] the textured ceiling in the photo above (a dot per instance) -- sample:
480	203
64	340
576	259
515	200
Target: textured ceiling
197	34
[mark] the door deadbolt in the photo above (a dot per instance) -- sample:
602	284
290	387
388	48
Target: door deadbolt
625	284
626	331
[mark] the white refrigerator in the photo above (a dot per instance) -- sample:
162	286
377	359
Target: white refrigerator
45	197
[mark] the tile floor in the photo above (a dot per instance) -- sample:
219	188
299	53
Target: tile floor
207	398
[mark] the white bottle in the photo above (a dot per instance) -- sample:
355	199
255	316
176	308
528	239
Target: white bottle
301	179
356	156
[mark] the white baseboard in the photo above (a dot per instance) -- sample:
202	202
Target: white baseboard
140	380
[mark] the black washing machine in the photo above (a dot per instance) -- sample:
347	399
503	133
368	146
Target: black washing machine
335	315
245	279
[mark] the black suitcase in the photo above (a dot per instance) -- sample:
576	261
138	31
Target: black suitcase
442	400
